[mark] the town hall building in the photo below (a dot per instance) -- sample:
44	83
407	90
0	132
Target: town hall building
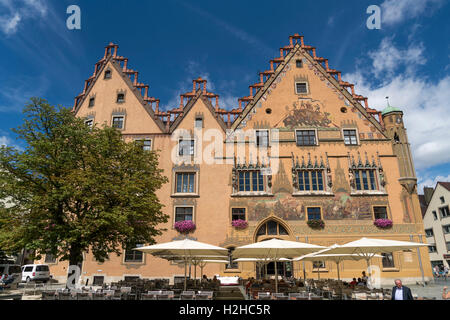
303	158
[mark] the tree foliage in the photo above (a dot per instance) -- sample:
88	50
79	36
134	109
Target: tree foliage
75	188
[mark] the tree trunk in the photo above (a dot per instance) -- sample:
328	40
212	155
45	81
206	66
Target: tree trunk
75	259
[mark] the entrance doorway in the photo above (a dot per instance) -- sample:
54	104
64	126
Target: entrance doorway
284	269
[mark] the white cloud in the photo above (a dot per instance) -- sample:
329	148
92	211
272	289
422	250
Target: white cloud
387	58
194	70
4	141
425	104
9	24
431	182
396	11
18	11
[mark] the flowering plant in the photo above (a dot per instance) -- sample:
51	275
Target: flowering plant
316	224
383	223
239	224
185	226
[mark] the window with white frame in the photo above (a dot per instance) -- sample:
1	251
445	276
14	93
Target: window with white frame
262	138
238	214
314	213
380	213
185	182
146	144
310	180
120	98
186	147
118	122
350	137
199	122
184	214
429	232
89	123
432	248
444	212
251	181
388	260
108	74
301	87
91	102
134	255
365	180
446	229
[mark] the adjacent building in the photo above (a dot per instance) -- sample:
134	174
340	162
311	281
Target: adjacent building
437	224
302	147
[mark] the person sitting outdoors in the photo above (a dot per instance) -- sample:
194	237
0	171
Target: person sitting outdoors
364	278
266	284
353	283
215	280
205	279
360	283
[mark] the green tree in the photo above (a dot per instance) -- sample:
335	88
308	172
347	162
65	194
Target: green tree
75	188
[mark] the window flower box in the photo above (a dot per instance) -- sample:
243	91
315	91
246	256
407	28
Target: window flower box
239	224
185	227
316	224
383	223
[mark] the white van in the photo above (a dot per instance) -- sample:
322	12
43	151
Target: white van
7	270
35	272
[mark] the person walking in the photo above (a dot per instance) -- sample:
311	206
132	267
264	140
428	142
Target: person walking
400	292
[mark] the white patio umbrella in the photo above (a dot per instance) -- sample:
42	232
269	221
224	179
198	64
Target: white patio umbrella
367	248
186	250
275	250
337	258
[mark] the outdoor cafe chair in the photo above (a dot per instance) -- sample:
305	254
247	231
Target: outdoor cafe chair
98	296
187	295
204	295
264	296
83	296
64	295
280	296
148	296
359	296
48	295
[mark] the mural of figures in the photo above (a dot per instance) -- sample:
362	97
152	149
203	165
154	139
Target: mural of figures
282	205
306	113
343	207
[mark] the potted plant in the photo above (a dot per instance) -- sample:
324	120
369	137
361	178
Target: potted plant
185	227
383	223
316	224
239	224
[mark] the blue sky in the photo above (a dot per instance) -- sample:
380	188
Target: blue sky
229	42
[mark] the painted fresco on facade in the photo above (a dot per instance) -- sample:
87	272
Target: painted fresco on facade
306	113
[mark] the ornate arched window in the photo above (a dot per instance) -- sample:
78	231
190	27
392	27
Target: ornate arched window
272	228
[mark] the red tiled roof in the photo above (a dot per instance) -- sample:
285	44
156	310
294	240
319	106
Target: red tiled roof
446	185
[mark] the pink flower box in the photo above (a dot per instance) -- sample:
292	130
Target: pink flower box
239	224
383	223
185	227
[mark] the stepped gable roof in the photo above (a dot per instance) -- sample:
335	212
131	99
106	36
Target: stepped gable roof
169	119
296	43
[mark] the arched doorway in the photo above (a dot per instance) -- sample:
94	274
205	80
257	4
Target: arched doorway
273	229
